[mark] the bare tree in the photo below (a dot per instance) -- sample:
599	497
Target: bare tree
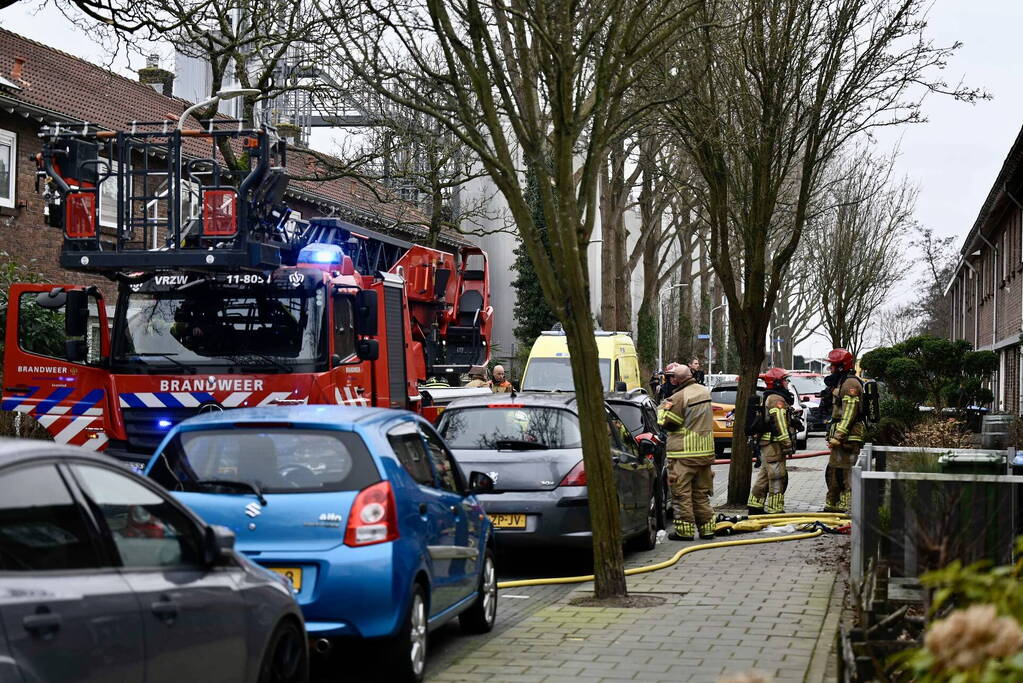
859	241
940	257
543	85
766	95
896	324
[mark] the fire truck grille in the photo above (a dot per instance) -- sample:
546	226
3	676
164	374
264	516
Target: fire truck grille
146	427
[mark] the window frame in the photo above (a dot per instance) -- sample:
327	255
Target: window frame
11	137
406	431
106	562
425	432
112	554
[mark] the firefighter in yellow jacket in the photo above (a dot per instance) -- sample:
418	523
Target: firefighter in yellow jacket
776	443
845	434
687	416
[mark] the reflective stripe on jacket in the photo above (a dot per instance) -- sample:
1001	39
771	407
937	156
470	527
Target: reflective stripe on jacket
776	410
688	417
846	412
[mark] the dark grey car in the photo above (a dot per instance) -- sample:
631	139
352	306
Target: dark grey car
530	445
105	577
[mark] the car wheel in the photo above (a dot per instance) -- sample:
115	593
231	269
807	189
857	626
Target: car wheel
719	451
286	657
481	616
648	537
406	652
801	444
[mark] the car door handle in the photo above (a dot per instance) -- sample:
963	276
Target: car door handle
165	609
42	623
422	508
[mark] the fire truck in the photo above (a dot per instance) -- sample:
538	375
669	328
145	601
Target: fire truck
220	298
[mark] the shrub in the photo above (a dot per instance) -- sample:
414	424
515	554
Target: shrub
936	432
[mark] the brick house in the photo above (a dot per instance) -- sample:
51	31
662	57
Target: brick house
43	86
985	293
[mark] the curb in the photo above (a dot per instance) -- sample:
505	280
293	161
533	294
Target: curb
811	454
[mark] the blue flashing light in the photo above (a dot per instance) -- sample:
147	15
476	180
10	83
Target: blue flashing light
321	253
163	424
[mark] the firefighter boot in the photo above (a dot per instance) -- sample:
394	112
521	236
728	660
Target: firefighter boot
754	505
707	529
775	503
684	531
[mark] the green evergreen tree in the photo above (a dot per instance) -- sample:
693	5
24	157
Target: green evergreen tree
532	313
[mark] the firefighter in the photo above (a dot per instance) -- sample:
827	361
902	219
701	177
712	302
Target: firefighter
670	384
500	384
687	416
768	492
845	434
478	377
435	383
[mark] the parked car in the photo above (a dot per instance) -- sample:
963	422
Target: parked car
723	397
105	577
363	509
639	413
809	385
531	446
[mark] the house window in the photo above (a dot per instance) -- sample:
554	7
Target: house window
8	167
108	193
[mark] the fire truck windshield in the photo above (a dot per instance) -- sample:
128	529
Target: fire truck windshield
212	324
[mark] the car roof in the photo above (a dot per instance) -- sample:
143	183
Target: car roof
15	450
342	417
559	399
632	396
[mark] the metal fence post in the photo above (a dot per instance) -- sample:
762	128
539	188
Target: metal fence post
862	462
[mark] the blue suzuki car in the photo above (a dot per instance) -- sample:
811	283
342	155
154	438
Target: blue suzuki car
363	509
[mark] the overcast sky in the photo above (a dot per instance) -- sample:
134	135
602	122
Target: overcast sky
954	157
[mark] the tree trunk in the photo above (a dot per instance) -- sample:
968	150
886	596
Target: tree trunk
749	340
608	564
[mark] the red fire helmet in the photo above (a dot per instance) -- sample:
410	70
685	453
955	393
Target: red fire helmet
774	377
842	359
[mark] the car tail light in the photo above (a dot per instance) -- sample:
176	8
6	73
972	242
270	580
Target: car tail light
373	517
219	208
576	477
80	219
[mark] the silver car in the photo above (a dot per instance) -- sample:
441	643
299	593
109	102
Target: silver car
531	446
105	577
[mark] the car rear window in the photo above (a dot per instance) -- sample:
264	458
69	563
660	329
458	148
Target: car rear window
632	416
277	460
727	394
807	385
484	427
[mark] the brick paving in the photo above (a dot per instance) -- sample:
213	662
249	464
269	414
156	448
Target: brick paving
767	607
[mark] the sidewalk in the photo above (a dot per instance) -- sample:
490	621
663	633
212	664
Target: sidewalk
767	607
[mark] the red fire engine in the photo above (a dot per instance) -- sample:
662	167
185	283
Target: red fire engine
221	300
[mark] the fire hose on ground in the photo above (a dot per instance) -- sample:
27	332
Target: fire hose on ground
819	522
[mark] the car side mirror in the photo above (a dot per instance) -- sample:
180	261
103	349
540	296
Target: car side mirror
480	483
219	543
366	313
367	349
52	300
646	444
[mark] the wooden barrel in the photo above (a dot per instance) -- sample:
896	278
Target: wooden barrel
996	431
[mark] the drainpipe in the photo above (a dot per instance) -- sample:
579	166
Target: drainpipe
976	303
994	287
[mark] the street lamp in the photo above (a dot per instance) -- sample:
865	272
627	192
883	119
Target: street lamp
710	354
222	95
773	342
660	322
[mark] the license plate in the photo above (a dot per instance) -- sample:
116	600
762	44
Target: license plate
293	574
509	521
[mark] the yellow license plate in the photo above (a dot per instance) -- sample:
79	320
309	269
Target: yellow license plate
293	574
509	521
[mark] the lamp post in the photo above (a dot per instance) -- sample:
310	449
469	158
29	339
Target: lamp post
710	354
221	95
773	342
660	322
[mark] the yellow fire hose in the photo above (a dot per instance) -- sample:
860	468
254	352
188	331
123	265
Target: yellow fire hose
787	518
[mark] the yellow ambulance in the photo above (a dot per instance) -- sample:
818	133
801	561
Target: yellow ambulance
548	367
